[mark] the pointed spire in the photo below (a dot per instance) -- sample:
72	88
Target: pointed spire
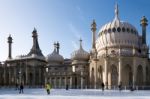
57	47
34	29
116	12
54	47
35	48
9	46
9	39
144	23
93	29
93	26
80	43
34	33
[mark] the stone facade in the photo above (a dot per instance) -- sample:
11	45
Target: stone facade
119	56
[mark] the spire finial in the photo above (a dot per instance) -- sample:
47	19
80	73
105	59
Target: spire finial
80	43
116	11
9	35
10	39
34	30
57	47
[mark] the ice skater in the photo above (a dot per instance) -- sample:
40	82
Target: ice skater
21	88
102	86
131	88
120	87
67	87
48	87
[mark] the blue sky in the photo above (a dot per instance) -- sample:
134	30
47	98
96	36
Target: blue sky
61	20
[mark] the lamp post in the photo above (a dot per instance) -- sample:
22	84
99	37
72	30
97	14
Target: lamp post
74	82
8	66
82	78
19	76
46	80
4	73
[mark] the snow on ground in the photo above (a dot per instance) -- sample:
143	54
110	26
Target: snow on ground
39	93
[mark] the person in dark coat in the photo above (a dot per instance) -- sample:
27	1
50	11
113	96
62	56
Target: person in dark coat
120	87
102	86
67	87
21	88
131	88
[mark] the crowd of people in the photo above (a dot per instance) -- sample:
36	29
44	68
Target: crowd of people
48	87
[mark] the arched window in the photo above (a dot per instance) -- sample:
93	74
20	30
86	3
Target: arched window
127	75
105	31
139	76
109	30
132	31
114	30
92	78
147	75
118	29
114	76
128	30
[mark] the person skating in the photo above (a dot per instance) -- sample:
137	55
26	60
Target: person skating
48	87
120	87
21	88
102	86
67	87
131	88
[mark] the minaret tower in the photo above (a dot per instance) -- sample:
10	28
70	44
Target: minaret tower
57	47
93	29
144	24
116	12
9	46
35	48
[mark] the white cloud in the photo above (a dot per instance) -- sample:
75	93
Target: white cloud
80	14
75	31
75	45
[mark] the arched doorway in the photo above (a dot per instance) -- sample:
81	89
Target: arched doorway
92	78
30	79
139	76
100	75
114	76
147	75
127	76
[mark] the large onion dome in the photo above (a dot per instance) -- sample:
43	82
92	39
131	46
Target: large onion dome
80	54
55	57
117	33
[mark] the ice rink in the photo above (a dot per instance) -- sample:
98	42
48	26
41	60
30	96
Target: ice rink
73	94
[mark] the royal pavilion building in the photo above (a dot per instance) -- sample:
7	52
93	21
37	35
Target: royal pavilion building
119	56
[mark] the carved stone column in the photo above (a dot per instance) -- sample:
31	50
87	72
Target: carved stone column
106	73
120	71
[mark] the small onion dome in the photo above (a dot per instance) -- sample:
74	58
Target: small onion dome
54	58
80	54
